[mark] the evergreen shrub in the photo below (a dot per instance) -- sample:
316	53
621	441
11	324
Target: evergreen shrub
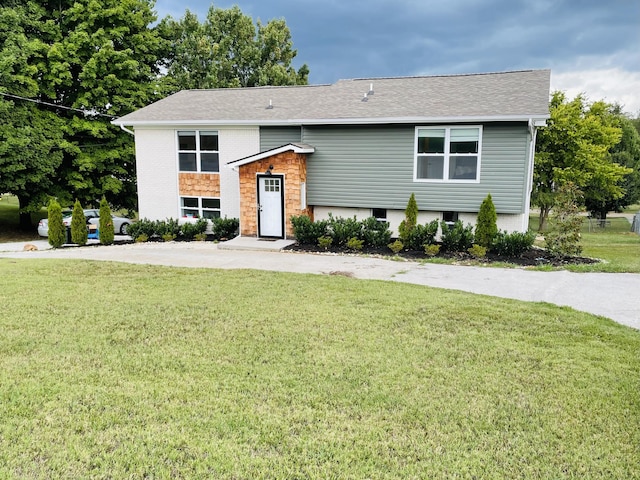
486	223
57	230
512	244
79	232
307	232
106	232
375	233
225	228
188	231
343	229
410	219
457	238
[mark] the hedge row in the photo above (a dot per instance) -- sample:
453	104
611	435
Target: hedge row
170	229
456	237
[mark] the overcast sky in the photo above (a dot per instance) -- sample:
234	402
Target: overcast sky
591	46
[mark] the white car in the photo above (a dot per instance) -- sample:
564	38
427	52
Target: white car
120	224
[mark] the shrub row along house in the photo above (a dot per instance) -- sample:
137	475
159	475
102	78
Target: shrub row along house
357	147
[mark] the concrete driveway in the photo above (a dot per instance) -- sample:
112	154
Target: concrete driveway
616	296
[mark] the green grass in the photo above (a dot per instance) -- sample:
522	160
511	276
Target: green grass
615	244
126	371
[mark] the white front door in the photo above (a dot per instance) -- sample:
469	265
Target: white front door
270	206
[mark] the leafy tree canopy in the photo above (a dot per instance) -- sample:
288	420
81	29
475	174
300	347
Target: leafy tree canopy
228	50
576	147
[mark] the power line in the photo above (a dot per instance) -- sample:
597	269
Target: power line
40	102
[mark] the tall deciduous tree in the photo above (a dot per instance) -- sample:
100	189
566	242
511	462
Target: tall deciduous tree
228	50
84	62
575	147
626	153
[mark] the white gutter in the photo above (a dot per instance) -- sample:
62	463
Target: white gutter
539	121
130	132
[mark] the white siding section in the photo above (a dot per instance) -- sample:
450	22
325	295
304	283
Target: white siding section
235	143
157	173
157	168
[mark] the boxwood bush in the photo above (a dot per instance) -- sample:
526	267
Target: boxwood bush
512	244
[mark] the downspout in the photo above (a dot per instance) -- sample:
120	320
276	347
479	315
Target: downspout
130	132
532	152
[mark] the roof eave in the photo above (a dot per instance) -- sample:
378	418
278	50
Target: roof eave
338	121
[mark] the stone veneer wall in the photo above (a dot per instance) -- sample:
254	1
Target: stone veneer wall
294	168
199	185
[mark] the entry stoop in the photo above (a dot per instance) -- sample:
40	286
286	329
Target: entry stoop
255	244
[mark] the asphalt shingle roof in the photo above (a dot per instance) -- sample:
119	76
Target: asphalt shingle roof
490	96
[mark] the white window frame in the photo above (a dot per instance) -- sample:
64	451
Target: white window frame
198	152
199	208
445	168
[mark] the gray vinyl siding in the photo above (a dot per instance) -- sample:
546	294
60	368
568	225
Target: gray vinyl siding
274	137
372	167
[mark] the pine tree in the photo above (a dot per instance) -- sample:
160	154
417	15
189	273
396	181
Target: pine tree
105	230
486	223
410	219
57	233
79	230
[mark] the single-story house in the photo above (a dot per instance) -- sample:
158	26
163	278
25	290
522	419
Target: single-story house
356	147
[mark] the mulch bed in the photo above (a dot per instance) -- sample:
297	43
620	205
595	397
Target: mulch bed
531	258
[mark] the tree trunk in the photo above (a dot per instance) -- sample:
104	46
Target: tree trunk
544	215
25	217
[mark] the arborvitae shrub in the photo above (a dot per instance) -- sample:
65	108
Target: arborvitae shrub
79	230
105	226
355	244
325	241
477	251
57	230
410	219
487	223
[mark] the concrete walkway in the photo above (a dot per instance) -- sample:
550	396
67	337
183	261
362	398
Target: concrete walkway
616	296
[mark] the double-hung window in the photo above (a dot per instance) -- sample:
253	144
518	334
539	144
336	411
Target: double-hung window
198	151
200	207
448	154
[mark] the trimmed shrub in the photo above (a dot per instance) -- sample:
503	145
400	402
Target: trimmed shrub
225	228
477	251
375	233
325	242
410	219
189	230
144	227
487	223
355	244
307	232
431	250
512	244
57	231
422	235
142	238
170	226
105	226
168	237
200	237
343	229
79	230
457	238
396	246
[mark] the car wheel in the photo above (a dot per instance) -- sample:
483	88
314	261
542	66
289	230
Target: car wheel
123	228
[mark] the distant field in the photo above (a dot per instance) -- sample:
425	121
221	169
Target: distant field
129	371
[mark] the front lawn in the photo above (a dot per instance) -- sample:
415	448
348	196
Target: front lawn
10	221
130	371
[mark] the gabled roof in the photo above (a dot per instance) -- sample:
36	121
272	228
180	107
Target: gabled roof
290	147
519	95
